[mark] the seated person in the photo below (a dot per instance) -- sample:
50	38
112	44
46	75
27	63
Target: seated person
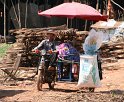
70	54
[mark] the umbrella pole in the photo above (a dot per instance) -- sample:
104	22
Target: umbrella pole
85	25
67	22
71	24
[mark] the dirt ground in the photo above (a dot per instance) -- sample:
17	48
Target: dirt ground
112	89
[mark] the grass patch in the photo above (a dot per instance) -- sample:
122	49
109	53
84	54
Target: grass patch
3	48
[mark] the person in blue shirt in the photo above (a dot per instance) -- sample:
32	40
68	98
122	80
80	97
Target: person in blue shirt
49	45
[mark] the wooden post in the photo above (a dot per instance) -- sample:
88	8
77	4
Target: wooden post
26	11
97	5
5	20
19	14
109	8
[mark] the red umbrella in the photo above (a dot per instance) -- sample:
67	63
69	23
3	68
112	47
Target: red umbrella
72	10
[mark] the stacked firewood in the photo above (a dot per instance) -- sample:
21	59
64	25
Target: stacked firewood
113	50
79	40
27	39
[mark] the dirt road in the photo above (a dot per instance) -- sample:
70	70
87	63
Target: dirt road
112	90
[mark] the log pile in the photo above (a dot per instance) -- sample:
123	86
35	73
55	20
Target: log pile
79	40
27	39
111	52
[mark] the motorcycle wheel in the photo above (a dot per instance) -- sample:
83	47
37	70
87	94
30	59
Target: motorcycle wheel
52	84
40	80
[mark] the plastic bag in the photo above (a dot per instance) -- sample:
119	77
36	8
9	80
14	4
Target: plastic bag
88	75
93	42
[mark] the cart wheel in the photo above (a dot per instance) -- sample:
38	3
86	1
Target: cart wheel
91	89
40	80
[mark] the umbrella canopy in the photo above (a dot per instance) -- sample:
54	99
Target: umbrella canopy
72	10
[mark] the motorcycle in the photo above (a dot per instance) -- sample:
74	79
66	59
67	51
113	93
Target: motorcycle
45	75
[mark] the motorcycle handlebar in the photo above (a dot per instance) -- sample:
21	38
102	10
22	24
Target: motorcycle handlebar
43	52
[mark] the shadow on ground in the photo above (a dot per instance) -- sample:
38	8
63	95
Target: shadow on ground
64	90
116	91
9	93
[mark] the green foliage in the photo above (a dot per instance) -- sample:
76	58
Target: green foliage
3	48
